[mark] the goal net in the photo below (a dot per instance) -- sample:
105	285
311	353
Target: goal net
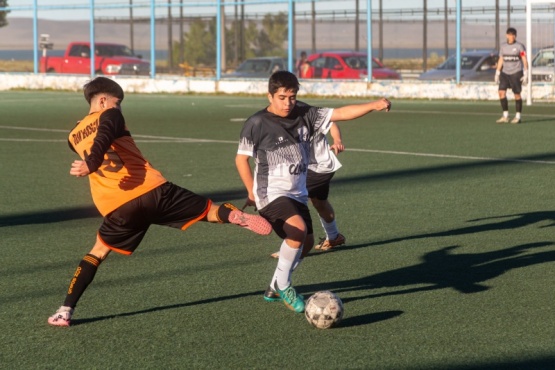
540	36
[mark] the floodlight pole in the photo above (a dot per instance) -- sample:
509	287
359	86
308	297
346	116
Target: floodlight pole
35	37
529	54
92	48
458	42
369	41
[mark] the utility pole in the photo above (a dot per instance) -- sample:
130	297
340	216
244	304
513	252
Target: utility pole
425	37
508	13
496	24
181	38
131	39
170	36
380	52
313	25
357	36
446	30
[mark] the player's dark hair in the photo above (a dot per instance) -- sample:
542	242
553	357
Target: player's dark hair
284	79
102	85
511	31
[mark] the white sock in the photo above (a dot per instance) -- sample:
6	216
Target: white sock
287	258
506	113
330	228
517	115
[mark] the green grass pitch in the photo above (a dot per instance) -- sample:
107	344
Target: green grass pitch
449	262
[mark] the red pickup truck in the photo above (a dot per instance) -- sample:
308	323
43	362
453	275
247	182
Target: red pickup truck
110	59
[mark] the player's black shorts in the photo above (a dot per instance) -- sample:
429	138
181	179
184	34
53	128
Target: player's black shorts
278	211
318	184
170	205
511	82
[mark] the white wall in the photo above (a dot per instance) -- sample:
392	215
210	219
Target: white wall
178	84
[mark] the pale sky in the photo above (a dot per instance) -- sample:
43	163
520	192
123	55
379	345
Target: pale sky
75	7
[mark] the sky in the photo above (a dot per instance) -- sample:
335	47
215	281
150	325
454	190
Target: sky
114	8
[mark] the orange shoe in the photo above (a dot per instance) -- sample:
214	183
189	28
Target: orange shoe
326	244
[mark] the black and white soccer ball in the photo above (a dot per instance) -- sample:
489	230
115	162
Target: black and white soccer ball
323	309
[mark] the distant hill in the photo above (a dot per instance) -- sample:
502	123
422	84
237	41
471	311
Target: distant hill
18	35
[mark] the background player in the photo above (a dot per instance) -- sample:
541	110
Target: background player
512	72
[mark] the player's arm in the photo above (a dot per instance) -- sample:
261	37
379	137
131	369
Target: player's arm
349	112
499	64
245	172
335	133
112	126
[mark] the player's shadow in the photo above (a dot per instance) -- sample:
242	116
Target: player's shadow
505	222
49	216
82	212
466	273
537	120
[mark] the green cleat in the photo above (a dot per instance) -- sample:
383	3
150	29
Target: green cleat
291	299
270	295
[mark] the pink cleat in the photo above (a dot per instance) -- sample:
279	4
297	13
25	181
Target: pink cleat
62	317
254	223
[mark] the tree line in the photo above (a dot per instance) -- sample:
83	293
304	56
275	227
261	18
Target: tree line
256	40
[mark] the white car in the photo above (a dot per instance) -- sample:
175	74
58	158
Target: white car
543	67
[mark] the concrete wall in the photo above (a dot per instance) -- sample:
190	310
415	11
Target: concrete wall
357	89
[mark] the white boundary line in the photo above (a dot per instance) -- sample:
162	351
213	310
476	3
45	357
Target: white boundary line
169	139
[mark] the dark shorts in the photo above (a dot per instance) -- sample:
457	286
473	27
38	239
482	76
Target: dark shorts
511	82
170	205
278	211
318	184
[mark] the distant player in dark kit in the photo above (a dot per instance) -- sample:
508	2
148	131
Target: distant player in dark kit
128	191
512	73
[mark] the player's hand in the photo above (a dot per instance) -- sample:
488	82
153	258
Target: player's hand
337	148
79	168
249	203
496	78
524	78
385	104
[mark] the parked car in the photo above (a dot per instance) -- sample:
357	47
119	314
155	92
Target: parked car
110	59
475	66
347	65
543	67
259	67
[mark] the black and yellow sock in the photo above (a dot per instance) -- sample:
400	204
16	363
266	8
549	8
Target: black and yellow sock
83	276
223	212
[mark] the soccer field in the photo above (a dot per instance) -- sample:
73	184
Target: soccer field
449	261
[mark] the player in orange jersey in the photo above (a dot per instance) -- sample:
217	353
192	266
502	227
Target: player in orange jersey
129	193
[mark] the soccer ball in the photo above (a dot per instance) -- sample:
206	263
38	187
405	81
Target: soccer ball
323	309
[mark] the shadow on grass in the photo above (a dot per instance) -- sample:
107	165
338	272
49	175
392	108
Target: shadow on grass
539	363
75	322
74	213
239	195
466	273
507	222
443	269
367	319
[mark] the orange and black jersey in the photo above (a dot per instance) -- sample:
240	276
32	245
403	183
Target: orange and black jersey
118	170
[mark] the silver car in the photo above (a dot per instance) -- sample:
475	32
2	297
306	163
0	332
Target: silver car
475	66
259	67
543	67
